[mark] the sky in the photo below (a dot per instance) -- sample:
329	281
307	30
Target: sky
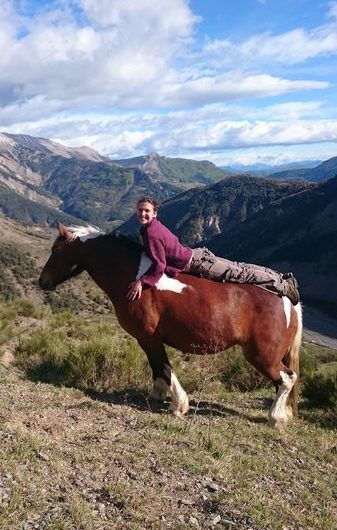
230	81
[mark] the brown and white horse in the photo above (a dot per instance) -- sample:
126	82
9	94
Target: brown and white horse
188	313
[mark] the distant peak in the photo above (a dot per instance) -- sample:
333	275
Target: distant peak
154	156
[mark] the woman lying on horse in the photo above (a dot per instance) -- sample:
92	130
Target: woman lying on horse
169	256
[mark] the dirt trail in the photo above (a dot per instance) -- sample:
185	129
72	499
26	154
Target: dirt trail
319	328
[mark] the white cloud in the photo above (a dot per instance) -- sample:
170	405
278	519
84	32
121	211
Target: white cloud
294	46
65	60
228	135
291	47
333	10
90	75
185	133
122	55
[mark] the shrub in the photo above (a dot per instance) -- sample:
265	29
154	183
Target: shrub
27	308
95	362
229	367
64	301
321	391
6	330
238	374
308	365
11	309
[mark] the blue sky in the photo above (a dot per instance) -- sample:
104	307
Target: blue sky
240	81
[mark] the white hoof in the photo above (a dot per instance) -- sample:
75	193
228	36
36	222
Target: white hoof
277	423
180	408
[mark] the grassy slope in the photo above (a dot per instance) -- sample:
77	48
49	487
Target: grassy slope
71	462
74	459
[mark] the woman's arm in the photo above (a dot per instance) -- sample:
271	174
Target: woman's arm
157	253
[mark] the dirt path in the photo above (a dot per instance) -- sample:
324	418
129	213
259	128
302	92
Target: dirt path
319	328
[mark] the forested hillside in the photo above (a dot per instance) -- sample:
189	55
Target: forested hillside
297	232
199	214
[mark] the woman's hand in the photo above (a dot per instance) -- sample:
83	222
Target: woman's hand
135	290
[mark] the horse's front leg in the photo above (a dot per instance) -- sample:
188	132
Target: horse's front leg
164	379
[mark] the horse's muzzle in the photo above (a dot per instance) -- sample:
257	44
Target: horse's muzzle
46	283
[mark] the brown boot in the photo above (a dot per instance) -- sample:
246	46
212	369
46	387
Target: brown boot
291	290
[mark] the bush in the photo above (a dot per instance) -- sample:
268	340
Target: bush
27	308
308	365
64	301
22	307
229	367
95	362
238	374
321	391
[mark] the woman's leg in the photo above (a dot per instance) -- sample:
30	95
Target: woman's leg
207	265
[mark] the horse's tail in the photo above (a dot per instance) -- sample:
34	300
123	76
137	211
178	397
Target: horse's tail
292	360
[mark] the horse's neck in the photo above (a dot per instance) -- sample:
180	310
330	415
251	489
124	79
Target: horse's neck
112	266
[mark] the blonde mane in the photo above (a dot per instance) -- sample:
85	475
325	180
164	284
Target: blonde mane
84	232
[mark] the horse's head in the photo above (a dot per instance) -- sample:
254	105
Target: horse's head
64	261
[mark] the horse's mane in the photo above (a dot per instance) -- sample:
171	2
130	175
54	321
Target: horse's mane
91	232
85	232
133	239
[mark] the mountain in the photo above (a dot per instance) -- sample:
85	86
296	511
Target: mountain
92	188
260	169
297	232
325	170
20	208
286	225
199	214
177	170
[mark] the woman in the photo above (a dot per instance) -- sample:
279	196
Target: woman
169	256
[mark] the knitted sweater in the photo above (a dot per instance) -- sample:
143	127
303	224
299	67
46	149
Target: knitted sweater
164	249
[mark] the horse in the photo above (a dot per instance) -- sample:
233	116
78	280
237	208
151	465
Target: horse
192	314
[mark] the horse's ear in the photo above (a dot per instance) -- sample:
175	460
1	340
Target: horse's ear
63	230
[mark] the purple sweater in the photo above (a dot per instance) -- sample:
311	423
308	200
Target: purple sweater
166	252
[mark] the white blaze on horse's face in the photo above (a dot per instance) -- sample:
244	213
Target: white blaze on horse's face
165	283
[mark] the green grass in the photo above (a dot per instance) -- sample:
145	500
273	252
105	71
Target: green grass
95	354
107	466
73	352
86	452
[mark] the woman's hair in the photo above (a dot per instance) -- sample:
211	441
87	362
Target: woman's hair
151	201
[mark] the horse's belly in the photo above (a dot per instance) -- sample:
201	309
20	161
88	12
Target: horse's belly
198	335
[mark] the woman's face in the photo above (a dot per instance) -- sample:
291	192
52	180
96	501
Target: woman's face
145	213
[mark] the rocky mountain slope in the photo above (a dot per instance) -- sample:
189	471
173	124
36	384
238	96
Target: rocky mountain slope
82	183
298	232
199	214
182	170
23	252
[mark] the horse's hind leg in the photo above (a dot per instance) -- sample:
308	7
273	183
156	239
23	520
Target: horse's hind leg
164	379
283	377
280	413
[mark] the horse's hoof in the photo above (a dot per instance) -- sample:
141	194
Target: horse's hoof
177	414
156	395
277	423
180	409
159	390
